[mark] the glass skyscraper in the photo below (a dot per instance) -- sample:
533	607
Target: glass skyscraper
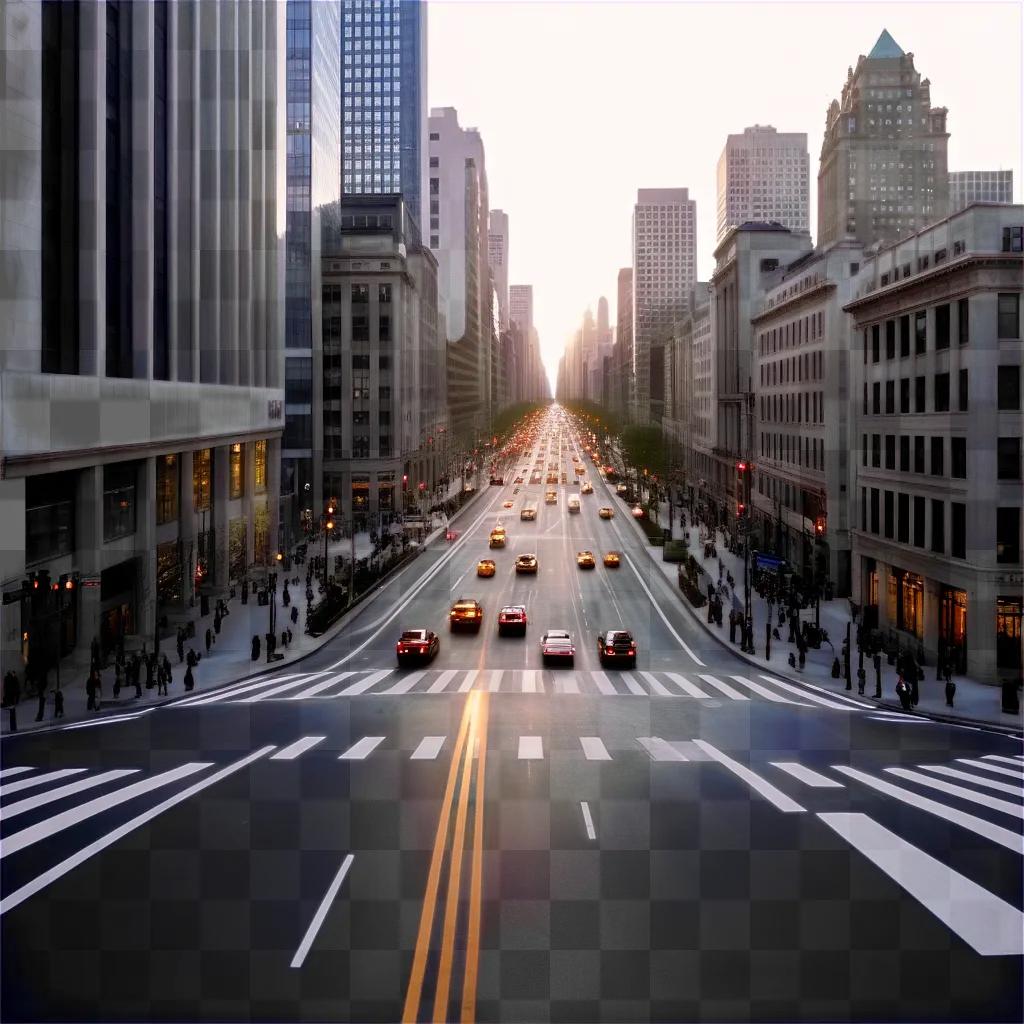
384	98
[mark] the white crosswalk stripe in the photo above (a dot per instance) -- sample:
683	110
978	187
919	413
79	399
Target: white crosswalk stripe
594	748
530	681
763	691
9	788
494	684
806	775
566	684
326	684
824	702
633	686
276	690
659	749
297	748
467	684
531	748
442	681
428	749
962	793
7	772
1004	760
602	683
976	780
63	792
656	688
404	685
365	684
989	767
361	749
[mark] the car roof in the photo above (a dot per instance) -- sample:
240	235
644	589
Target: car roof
618	632
413	634
514	608
467	600
555	634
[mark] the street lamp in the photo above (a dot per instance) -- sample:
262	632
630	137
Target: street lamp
328	525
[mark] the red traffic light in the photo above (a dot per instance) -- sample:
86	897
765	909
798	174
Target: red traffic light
741	467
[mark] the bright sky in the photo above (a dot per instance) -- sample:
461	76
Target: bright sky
581	103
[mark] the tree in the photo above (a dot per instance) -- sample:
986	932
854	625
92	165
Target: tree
645	448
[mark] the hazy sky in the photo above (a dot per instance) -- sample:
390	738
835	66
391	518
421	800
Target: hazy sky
581	103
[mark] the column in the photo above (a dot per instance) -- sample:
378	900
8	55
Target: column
219	515
932	611
981	632
187	526
274	495
89	550
885	613
249	469
145	549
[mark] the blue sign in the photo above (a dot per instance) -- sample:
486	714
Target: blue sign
769	562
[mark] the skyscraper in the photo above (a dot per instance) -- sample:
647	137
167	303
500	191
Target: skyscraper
497	247
664	271
764	176
521	305
384	99
966	187
314	180
623	355
882	173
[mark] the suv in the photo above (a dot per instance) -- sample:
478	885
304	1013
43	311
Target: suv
616	645
466	613
512	619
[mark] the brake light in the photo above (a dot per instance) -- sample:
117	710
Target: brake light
609	650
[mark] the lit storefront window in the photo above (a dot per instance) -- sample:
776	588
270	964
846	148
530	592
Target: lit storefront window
260	467
236	474
119	500
166	489
202	480
906	591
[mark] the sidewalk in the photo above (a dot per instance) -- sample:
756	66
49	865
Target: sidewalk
228	661
974	701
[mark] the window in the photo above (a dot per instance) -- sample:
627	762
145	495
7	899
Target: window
904	337
890	339
119	500
904	394
260	467
1009	316
1013	239
1008	535
918	454
865	398
890	397
918	522
1008	458
963	395
360	324
298	380
905	453
236	471
887	507
920	332
434	162
383	293
938	526
876	398
874	343
385	362
360	293
890	451
942	392
937	453
202	490
361	362
963	322
166	489
942	326
903	518
958	458
361	417
874	510
876	450
863	508
958	529
1008	388
864	450
919	394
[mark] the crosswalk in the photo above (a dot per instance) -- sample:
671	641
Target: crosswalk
328	685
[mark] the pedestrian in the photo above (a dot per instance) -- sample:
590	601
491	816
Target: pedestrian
245	591
289	636
216	620
209	639
118	678
189	679
903	692
255	647
284	638
181	645
90	691
950	690
295	614
94	650
12	689
915	695
802	657
285	596
190	659
42	701
150	670
137	675
732	626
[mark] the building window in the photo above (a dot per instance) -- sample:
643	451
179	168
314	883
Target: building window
963	319
875	343
119	500
890	339
49	516
942	326
1008	535
202	480
963	391
903	518
905	453
876	398
904	394
1009	316
874	510
938	526
1008	458
260	467
1013	239
937	459
918	454
918	522
236	471
919	394
1008	388
876	450
890	397
958	458
904	337
887	518
958	528
920	332
890	451
166	489
942	392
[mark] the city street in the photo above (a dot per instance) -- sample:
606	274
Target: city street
486	838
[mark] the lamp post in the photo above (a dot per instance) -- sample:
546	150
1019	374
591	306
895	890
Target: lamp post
328	525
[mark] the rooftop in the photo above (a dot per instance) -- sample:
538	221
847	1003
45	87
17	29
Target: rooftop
886	48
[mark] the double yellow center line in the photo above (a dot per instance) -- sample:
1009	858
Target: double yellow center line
470	748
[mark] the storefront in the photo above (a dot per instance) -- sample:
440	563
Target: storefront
953	627
118	603
906	602
1008	636
237	547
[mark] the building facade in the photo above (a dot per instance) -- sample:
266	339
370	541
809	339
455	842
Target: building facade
141	362
384	100
664	271
497	254
623	370
937	392
883	171
966	187
764	176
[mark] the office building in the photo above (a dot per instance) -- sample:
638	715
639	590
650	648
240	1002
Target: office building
384	100
764	176
621	385
521	305
937	391
142	359
883	171
664	271
497	254
966	187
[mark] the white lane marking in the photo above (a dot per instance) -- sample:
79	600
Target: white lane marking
364	684
62	792
991	926
404	685
361	750
467	684
38	780
428	749
594	748
823	701
632	685
228	692
442	681
58	870
495	682
659	749
602	683
321	913
283	688
763	691
457	582
960	792
901	720
531	748
530	681
977	780
657	607
693	690
59	822
326	684
806	775
858	705
985	766
1003	760
588	821
292	751
979	826
656	688
6	772
752	779
105	721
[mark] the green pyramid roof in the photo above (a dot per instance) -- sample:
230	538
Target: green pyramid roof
886	47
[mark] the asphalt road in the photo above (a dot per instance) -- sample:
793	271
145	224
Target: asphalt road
484	838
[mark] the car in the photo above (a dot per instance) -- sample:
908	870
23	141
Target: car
621	489
605	512
466	613
585	559
587	488
507	504
616	646
612	559
526	563
556	644
638	512
574	504
497	481
486	567
551	498
417	645
497	537
512	619
519	480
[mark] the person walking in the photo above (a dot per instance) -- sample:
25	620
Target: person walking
12	689
94	652
285	596
189	679
42	699
191	659
209	640
255	652
295	614
90	691
150	670
216	620
181	645
58	704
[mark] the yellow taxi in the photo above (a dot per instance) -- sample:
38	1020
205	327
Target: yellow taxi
466	613
486	567
605	512
551	498
585	559
497	537
612	559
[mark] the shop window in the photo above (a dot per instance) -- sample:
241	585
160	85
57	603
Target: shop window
236	474
202	479
260	467
166	489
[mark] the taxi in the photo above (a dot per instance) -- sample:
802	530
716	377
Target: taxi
605	512
587	488
466	613
585	559
551	498
497	537
612	559
486	567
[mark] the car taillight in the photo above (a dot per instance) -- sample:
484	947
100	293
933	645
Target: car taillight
609	650
632	649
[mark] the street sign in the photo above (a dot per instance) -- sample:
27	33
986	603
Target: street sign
89	581
769	562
